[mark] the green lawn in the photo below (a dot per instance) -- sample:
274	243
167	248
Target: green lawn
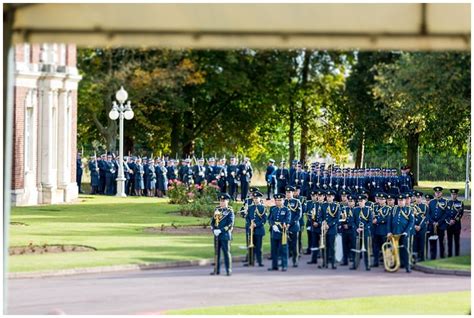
456	263
114	227
452	303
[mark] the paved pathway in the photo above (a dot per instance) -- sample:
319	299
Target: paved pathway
155	291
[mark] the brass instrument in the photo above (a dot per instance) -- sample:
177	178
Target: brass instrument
434	237
284	237
358	251
250	245
391	255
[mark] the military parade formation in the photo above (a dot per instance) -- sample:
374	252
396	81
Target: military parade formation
348	214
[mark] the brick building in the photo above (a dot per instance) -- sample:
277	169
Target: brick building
45	122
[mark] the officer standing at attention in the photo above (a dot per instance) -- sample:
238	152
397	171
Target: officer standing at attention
270	178
222	223
420	214
346	224
438	221
79	170
294	205
363	222
245	176
232	176
401	223
381	222
332	214
94	169
279	218
282	177
256	219
455	212
199	171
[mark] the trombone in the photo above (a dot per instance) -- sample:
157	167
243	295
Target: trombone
362	248
250	245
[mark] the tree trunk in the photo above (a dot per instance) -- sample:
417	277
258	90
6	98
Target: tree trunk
413	141
360	152
128	146
304	109
291	137
188	134
175	134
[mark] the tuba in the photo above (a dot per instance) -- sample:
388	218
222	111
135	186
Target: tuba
391	255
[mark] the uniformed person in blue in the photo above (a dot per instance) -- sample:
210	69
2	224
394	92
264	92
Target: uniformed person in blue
438	222
248	202
332	215
256	219
297	194
109	175
347	230
79	170
270	178
421	222
171	170
381	221
294	205
245	177
94	170
401	222
232	177
185	173
455	213
199	172
315	212
279	219
363	224
222	223
282	177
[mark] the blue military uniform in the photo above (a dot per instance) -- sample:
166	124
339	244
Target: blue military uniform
437	214
347	230
279	218
332	215
314	212
294	205
109	177
363	219
162	179
222	223
402	220
171	172
138	172
282	178
232	178
257	218
185	173
245	175
382	220
199	171
455	213
420	215
270	178
95	178
79	171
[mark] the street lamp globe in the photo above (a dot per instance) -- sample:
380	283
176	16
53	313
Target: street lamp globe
113	114
128	114
121	95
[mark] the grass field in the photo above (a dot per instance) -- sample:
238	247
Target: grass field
428	304
115	228
455	263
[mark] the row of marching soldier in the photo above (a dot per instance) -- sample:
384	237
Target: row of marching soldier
394	230
151	176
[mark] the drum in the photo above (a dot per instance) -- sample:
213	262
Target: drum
338	246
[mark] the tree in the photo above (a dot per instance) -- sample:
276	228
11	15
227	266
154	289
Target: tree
426	98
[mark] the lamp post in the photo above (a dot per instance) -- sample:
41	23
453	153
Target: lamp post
121	110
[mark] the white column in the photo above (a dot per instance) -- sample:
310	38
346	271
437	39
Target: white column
63	140
46	142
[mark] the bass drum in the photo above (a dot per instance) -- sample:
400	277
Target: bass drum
339	252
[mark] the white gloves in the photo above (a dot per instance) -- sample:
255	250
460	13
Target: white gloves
309	228
217	232
275	228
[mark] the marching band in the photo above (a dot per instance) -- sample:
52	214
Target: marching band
348	214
